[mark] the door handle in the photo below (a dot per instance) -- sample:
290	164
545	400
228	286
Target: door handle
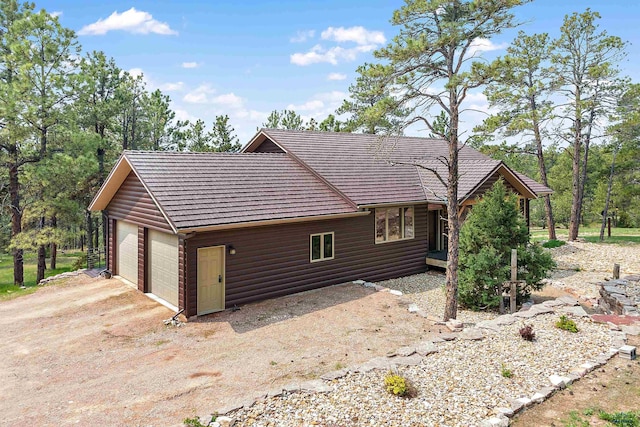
219	278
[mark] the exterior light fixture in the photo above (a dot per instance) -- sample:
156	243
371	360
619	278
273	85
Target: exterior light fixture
231	249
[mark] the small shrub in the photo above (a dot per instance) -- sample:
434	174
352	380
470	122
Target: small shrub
399	385
80	262
506	372
550	244
620	419
566	324
196	422
527	333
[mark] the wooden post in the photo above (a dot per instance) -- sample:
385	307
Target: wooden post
514	278
609	227
616	271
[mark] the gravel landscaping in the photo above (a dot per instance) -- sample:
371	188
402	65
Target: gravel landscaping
462	383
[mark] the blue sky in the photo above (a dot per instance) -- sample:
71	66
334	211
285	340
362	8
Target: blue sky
247	58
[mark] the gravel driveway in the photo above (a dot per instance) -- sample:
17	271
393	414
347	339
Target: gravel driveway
95	351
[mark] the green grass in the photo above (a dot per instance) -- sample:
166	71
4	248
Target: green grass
591	234
8	290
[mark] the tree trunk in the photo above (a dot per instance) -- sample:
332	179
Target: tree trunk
574	220
16	223
42	257
551	225
54	246
605	212
451	304
42	266
585	161
89	231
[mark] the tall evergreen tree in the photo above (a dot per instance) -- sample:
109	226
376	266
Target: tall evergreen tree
433	49
521	91
584	62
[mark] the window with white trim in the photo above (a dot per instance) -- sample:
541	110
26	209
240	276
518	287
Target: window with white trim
394	223
321	246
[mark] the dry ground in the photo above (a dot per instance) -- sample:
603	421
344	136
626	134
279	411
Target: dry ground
614	388
95	351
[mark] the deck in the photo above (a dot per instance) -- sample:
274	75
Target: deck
437	259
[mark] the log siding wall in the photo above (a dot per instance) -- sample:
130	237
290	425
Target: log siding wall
133	203
273	261
268	146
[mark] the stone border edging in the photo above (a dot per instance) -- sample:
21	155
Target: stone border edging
415	354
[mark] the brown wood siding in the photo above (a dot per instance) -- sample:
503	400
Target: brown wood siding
142	240
133	203
181	272
268	146
488	184
273	261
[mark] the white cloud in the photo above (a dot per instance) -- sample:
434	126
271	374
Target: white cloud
336	76
136	72
484	45
229	100
171	87
199	95
312	105
365	40
302	36
132	21
203	94
183	115
358	35
189	65
318	54
56	13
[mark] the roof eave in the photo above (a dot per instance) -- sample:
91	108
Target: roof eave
249	224
111	185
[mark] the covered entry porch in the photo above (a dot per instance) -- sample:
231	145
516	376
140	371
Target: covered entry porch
437	235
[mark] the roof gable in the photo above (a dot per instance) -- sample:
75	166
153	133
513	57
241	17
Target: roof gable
198	190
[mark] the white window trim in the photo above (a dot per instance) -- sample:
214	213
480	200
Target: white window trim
322	257
386	225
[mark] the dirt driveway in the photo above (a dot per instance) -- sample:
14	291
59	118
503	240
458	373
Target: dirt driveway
95	351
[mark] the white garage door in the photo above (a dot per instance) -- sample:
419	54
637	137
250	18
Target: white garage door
127	251
163	266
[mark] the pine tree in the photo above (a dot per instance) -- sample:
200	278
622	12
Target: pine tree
493	228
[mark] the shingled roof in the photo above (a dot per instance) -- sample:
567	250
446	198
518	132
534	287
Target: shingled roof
370	169
314	174
197	190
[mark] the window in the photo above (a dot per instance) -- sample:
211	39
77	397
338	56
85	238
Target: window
394	224
321	247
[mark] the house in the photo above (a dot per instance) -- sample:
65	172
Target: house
295	210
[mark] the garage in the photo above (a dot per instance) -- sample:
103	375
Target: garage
163	266
127	251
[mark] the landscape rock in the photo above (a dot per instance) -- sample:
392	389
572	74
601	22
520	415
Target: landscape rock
225	421
395	292
575	311
568	300
630	329
315	386
405	351
505	319
334	375
454	325
426	348
413	308
412	360
473	334
542	394
489	325
376	363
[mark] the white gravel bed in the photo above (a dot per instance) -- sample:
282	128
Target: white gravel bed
460	385
583	256
427	291
582	265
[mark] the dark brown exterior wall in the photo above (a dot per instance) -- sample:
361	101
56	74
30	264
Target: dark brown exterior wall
181	273
480	191
132	203
272	261
268	147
